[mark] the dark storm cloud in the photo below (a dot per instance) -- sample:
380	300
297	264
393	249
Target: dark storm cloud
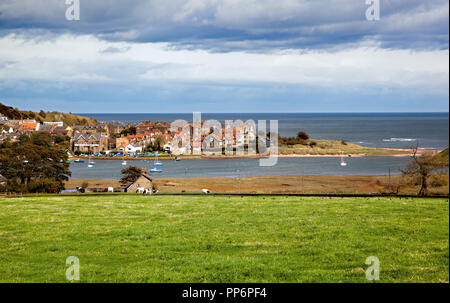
224	25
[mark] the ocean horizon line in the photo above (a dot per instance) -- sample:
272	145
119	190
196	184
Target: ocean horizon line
266	113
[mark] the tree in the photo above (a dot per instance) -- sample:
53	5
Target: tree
303	136
61	140
131	174
157	145
41	139
34	165
421	167
129	131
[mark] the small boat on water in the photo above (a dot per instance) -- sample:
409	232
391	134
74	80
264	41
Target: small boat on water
90	163
124	162
155	170
343	163
78	161
157	162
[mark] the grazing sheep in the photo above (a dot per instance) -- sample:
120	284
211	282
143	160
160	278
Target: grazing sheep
206	191
81	190
147	192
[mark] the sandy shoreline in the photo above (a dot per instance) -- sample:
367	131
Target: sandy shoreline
396	152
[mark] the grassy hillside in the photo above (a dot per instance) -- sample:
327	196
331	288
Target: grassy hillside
68	119
128	238
442	156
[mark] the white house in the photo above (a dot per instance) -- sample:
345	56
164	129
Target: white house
6	130
56	123
133	149
167	147
3	118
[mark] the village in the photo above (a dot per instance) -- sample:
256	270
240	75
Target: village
119	141
116	139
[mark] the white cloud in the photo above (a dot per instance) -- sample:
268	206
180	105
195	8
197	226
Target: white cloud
70	58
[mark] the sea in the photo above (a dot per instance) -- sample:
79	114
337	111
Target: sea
395	130
391	130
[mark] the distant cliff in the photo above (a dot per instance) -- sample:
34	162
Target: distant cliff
68	119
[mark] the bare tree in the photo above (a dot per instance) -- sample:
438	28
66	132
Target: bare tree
422	166
131	174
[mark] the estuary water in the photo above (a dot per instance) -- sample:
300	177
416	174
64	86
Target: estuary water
110	169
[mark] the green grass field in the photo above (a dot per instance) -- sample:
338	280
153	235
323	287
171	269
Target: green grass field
130	238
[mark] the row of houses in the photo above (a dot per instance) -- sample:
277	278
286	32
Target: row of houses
100	142
103	137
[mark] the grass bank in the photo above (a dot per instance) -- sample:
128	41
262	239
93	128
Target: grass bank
334	147
129	238
278	185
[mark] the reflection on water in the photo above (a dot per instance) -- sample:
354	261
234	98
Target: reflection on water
110	169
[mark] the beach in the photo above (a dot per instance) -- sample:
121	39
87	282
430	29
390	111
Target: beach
388	152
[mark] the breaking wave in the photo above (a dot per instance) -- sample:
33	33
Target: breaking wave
399	140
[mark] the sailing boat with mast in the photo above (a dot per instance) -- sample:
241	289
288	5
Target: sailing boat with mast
156	164
343	163
90	163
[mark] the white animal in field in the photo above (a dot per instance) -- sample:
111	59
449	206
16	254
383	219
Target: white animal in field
110	189
206	191
140	190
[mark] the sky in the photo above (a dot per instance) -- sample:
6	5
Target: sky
175	56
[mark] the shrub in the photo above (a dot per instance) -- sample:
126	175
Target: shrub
439	180
343	142
303	136
84	185
313	143
15	187
45	185
303	142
